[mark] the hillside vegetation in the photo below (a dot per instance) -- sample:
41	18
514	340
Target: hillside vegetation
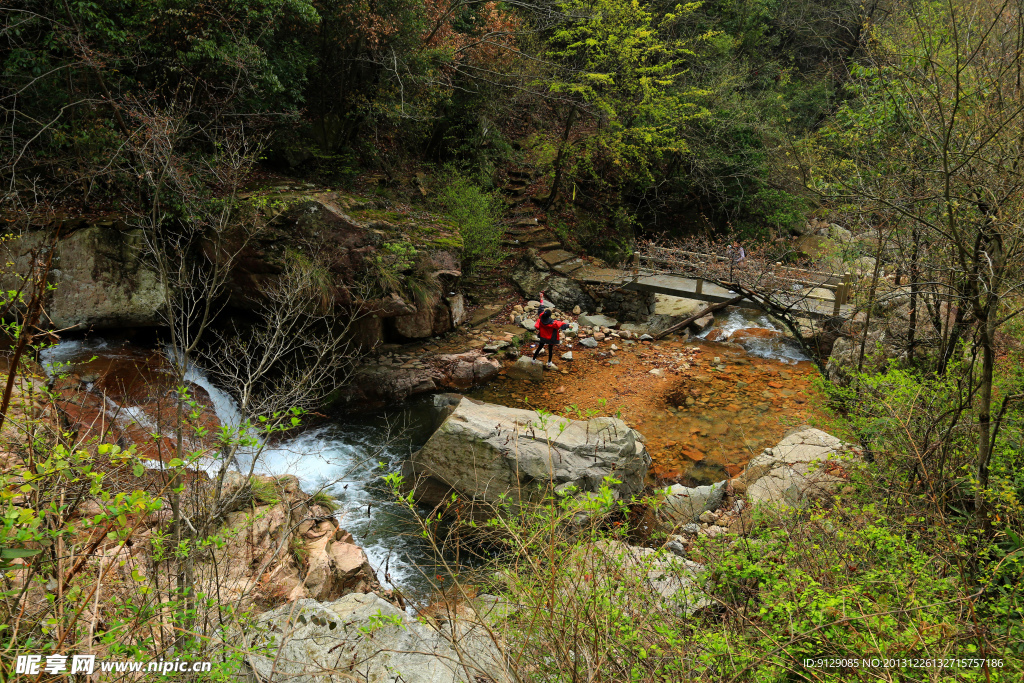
888	133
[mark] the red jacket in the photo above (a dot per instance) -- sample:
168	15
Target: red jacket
549	332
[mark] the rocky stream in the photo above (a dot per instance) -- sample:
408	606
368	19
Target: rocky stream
704	409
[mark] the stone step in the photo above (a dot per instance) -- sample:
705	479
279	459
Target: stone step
514	190
547	245
527	175
569	267
541	238
523	232
556	256
483	314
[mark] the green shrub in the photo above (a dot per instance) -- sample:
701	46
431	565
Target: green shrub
477	215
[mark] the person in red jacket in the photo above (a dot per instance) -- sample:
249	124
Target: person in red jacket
547	329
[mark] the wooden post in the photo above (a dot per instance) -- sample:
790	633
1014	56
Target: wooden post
700	284
636	260
842	293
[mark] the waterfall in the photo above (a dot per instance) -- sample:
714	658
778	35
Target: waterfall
342	457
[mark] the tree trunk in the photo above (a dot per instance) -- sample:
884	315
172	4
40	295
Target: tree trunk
915	279
560	159
985	444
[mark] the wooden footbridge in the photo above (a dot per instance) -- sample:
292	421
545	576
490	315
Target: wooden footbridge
810	294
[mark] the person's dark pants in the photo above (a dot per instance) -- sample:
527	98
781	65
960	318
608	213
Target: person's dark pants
551	348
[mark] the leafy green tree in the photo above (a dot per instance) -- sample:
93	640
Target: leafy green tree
620	86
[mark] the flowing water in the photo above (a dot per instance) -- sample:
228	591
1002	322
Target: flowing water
782	349
345	456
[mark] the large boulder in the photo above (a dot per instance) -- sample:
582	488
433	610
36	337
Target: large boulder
364	638
526	368
376	386
101	275
683	504
806	465
465	370
680	582
484	452
562	291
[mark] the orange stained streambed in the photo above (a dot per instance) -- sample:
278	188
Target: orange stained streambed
701	421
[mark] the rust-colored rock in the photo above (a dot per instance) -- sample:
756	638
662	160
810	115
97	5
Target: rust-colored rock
749	334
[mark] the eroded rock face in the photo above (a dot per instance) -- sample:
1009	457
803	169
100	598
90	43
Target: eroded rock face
101	276
466	370
321	561
806	465
364	638
560	290
484	451
376	386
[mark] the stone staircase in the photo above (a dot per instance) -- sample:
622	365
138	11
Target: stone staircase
525	231
522	228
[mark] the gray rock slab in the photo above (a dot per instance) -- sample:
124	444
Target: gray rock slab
484	452
596	320
795	470
684	505
362	637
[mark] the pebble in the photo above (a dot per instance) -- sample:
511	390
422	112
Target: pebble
676	548
614	361
708	517
599	336
576	310
658	372
614	347
567	355
646	337
589	342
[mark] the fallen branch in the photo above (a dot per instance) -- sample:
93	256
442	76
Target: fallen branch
710	309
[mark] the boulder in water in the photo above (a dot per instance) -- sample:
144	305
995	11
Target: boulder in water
716	335
483	452
702	323
526	368
749	335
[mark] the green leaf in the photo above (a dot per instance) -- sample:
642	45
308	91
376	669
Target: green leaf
12	553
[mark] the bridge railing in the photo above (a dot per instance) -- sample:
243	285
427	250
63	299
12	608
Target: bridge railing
842	287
